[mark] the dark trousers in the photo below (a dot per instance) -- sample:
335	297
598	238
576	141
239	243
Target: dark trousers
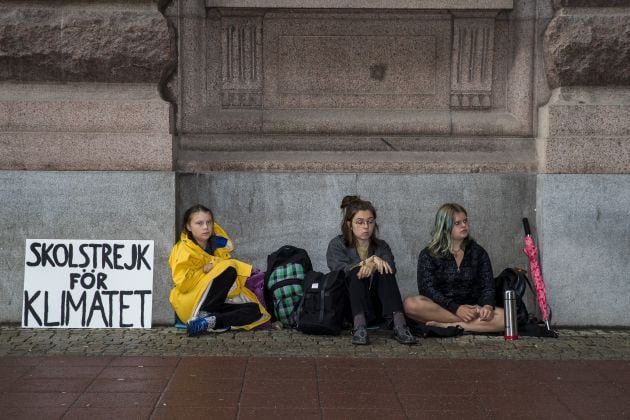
383	287
228	314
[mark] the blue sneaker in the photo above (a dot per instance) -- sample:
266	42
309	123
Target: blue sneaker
197	326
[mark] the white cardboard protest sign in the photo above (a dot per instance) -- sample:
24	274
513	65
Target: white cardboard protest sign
72	283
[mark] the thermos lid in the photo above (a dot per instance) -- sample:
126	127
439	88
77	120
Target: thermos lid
509	294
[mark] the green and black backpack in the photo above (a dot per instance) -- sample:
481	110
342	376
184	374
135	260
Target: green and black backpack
284	283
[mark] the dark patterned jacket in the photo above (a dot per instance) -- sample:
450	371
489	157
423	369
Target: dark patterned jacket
440	280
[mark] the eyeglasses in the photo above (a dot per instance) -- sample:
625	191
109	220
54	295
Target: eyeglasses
361	222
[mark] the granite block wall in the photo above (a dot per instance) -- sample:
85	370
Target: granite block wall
84	205
264	211
585	240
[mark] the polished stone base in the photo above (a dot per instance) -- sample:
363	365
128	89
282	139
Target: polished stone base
264	211
585	241
84	205
576	219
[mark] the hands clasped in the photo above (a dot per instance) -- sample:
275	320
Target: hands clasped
471	312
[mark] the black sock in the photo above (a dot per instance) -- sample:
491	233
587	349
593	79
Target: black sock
218	323
399	320
359	320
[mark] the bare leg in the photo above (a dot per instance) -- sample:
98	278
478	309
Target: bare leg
422	309
496	324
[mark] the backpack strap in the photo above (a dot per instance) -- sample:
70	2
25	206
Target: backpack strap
309	278
522	273
322	298
282	283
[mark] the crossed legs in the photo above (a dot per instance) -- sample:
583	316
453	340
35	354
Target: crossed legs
422	309
228	314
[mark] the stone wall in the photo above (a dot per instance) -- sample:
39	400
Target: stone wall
323	71
588	49
584	161
264	211
585	247
78	86
84	205
83	41
270	111
584	128
86	143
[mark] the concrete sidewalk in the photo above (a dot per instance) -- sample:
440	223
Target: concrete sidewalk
162	374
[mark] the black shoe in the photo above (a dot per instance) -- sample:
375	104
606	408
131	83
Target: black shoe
360	336
404	336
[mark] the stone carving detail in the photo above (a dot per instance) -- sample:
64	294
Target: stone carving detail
241	50
471	74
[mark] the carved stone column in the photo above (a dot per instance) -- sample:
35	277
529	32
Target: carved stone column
241	62
472	61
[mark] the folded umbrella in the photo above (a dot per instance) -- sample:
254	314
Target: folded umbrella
534	267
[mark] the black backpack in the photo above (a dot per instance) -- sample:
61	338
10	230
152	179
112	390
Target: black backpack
324	303
514	279
284	278
517	280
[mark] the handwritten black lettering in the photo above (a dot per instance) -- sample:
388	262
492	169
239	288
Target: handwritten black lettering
80	305
122	307
142	293
28	308
141	257
46	311
97	305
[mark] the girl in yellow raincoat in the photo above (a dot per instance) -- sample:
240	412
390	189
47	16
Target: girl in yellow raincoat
210	287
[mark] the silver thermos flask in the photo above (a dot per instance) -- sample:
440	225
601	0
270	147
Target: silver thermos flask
511	323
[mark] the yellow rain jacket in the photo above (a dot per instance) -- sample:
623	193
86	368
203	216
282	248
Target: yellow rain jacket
191	283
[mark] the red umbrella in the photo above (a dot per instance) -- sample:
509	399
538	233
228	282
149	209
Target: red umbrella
534	266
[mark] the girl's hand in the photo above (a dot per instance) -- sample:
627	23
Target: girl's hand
366	270
467	312
208	267
382	265
486	313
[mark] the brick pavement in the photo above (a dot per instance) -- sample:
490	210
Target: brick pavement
162	374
